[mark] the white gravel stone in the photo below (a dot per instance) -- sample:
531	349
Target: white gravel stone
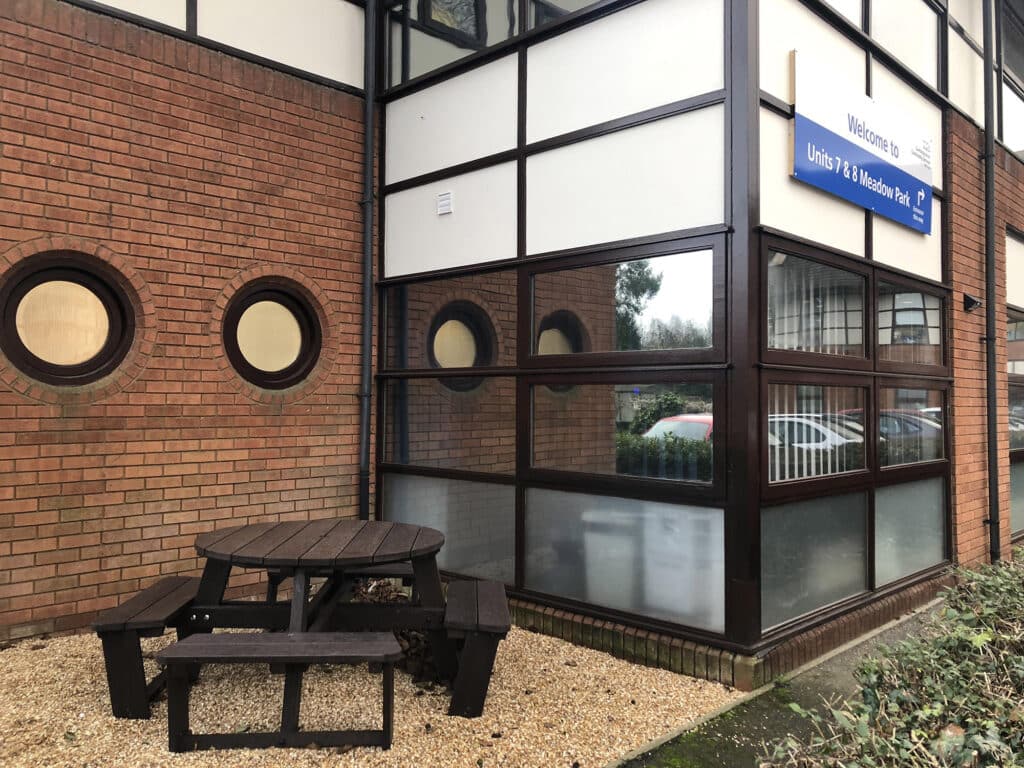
550	704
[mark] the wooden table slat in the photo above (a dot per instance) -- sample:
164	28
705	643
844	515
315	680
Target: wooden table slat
326	551
206	540
492	607
364	545
428	541
261	547
397	544
240	537
290	552
461	610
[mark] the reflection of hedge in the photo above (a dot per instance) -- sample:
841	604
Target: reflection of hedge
907	450
670	457
1017	439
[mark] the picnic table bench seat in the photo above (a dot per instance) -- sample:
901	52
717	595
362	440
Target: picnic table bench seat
477	617
146	614
295	651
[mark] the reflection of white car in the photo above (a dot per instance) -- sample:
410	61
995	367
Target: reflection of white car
809	430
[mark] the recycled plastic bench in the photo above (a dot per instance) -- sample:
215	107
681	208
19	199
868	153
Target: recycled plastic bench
477	618
146	614
295	651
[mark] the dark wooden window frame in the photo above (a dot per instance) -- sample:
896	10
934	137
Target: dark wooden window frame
89	273
287	294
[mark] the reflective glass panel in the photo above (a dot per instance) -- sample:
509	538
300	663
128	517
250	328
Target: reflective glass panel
426	35
1016	420
910	426
429	424
477	520
647	430
909	326
813	554
1017	497
813	307
543	11
1015	345
664	302
665	561
910	524
483	306
814	431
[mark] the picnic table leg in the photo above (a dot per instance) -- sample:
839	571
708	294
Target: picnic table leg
178	683
292	699
474	675
428	583
300	601
126	677
389	703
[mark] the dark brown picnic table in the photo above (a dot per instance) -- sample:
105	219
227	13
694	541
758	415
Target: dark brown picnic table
330	548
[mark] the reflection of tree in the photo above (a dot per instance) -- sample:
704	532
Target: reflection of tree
635	283
677	334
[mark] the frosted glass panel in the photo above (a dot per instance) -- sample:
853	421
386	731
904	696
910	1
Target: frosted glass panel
890	21
909	528
1013	119
665	561
477	520
1017	498
813	553
169	12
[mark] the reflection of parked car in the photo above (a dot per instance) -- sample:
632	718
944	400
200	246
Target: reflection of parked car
693	426
812	430
894	423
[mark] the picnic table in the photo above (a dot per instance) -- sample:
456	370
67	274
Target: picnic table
313	626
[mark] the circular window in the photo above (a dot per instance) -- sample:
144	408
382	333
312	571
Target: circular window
271	334
561	333
65	321
461	336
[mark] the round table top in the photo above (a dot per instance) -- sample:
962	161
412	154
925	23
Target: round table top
332	542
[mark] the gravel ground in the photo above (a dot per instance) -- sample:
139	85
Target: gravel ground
550	704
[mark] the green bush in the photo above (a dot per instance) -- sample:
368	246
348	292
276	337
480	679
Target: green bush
671	457
952	697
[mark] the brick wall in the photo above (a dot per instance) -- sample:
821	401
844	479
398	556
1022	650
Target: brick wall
190	173
967	252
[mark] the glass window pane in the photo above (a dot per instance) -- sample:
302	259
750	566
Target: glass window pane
646	430
1015	345
814	431
1013	41
910	524
418	334
1016	421
477	520
1017	497
660	560
909	326
429	424
910	426
814	308
439	32
648	304
813	553
543	11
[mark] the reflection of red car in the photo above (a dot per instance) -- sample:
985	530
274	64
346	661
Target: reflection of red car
693	426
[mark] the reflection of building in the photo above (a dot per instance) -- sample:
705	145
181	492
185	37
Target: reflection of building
188	190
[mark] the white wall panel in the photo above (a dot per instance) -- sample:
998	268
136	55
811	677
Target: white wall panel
909	30
907	249
481	228
851	9
926	117
169	12
1014	271
658	177
1013	119
461	119
968	14
787	25
797	208
650	54
966	84
324	37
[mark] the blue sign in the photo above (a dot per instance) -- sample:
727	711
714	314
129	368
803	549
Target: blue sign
833	163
